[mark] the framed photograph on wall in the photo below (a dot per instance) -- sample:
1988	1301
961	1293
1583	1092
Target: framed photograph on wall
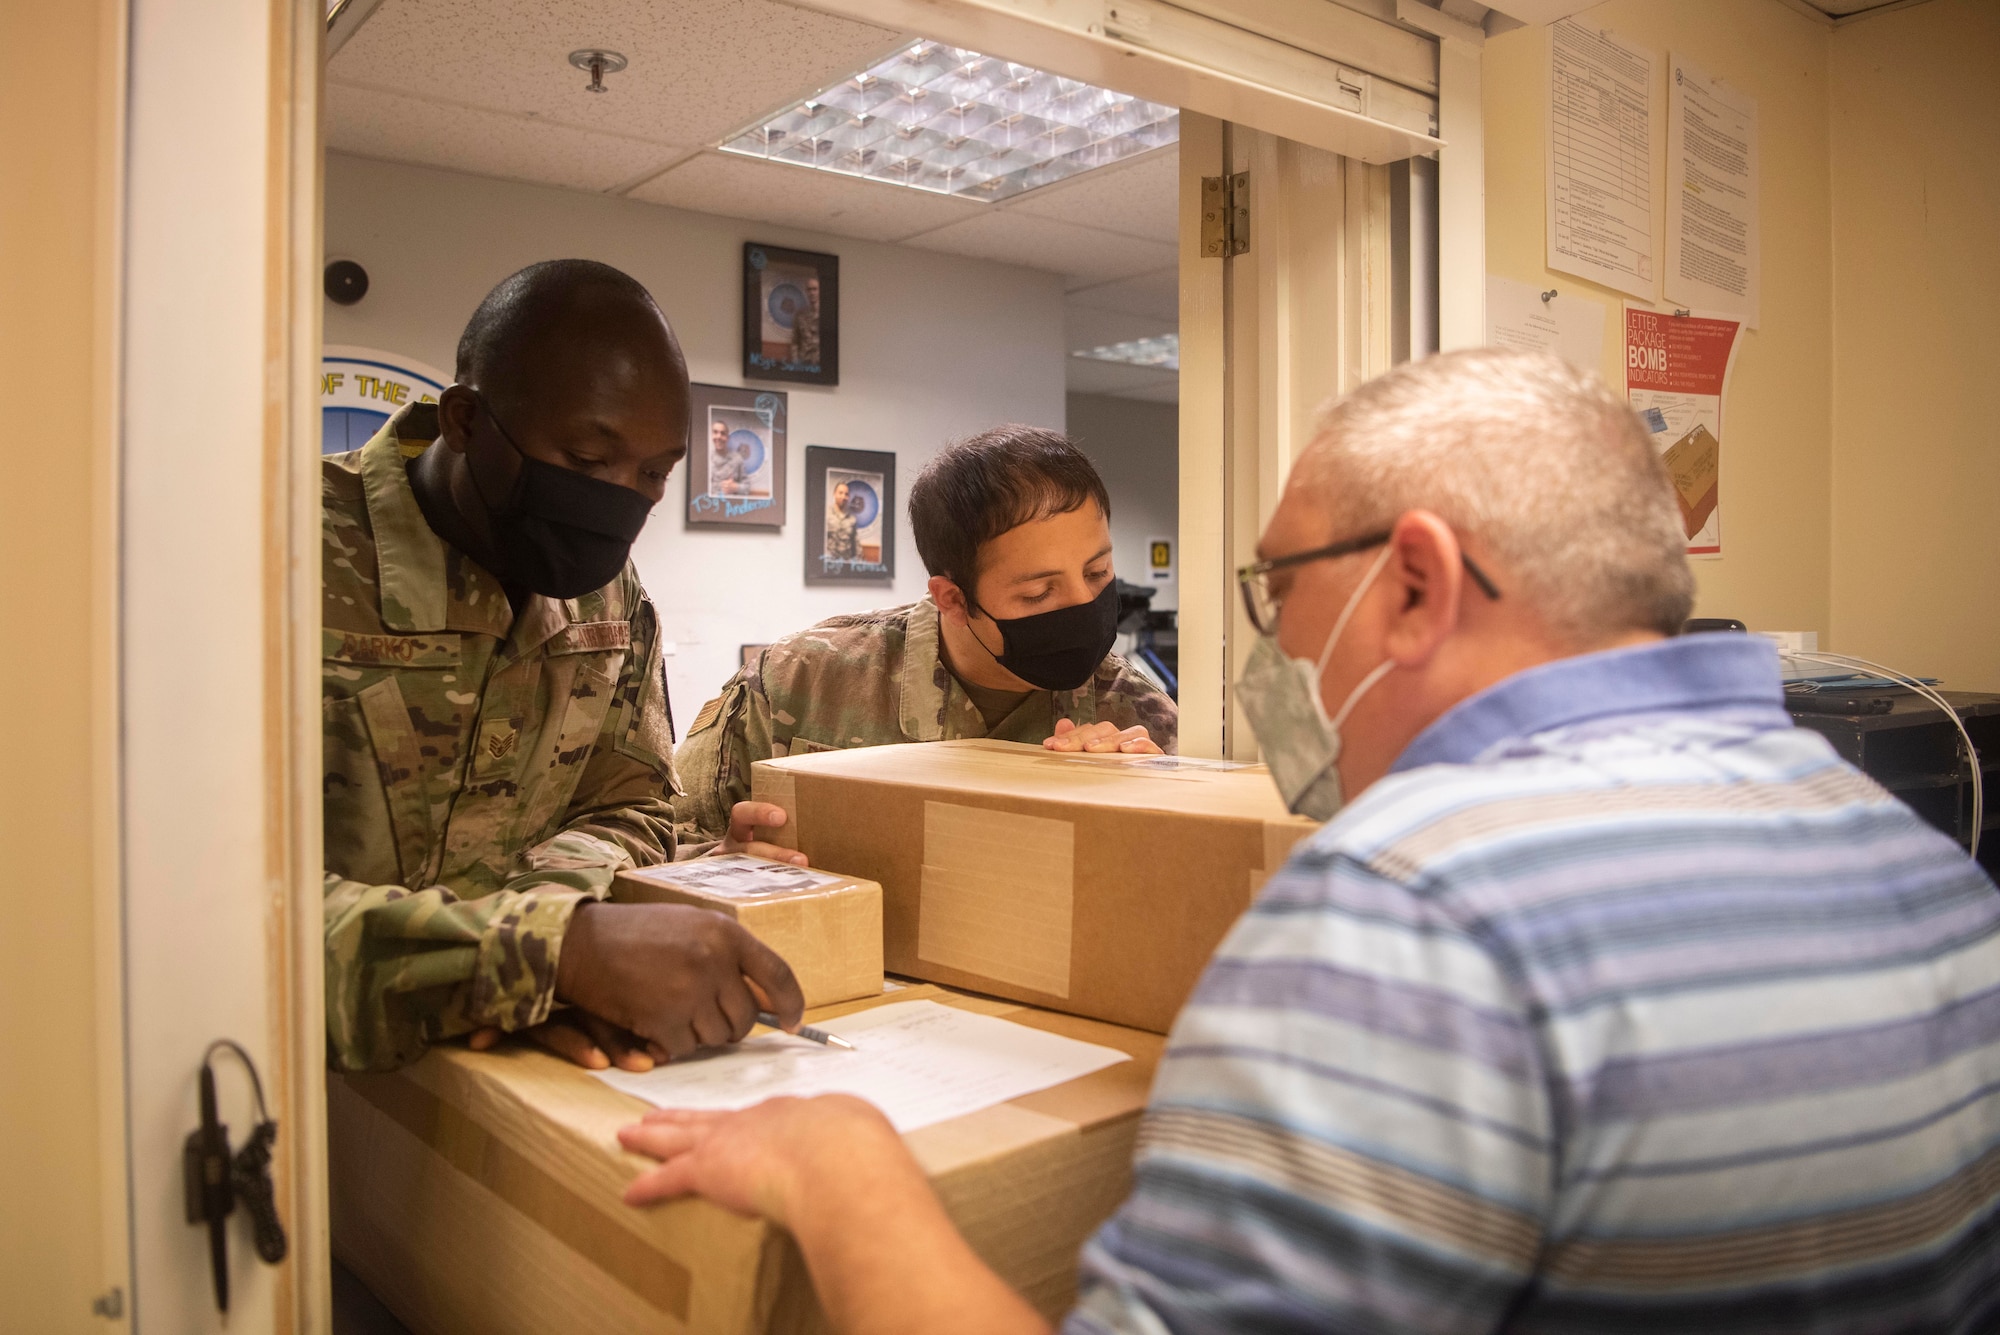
736	457
850	516
791	315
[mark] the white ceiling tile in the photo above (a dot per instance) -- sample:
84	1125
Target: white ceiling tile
1083	255
408	129
699	69
1139	198
775	192
1155	294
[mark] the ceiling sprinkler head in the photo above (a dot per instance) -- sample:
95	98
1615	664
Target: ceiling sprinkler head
597	64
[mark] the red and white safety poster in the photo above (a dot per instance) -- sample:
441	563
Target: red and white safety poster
1676	373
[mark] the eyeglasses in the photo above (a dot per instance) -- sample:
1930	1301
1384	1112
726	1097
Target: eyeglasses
1262	605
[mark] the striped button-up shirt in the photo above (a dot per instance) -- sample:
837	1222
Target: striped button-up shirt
1620	1004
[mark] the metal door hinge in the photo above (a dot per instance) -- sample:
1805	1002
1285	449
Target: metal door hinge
1225	215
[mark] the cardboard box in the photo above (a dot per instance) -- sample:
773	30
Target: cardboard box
827	927
1094	885
478	1192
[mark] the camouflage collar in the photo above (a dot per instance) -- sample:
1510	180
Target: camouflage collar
409	558
418	596
922	695
929	694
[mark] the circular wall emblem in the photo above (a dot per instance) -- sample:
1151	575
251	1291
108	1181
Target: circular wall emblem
360	387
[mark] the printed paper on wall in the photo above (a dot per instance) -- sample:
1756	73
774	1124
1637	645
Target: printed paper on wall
1713	243
1676	376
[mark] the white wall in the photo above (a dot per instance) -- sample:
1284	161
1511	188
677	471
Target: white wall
1136	447
932	347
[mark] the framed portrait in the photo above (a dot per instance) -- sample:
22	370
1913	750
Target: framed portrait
791	315
850	516
736	457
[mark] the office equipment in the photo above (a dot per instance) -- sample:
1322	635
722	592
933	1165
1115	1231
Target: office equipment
805	1031
1914	751
215	1180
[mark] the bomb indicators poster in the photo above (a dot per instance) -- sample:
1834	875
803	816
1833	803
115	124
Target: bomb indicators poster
1676	377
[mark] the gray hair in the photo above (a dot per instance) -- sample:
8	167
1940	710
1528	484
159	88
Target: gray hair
1534	461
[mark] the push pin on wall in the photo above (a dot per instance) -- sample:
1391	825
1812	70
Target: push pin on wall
597	64
1548	296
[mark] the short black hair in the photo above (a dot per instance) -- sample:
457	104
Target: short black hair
521	302
978	488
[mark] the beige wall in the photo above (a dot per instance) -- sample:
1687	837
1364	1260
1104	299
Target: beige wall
1916	353
1777	420
1861	463
54	1256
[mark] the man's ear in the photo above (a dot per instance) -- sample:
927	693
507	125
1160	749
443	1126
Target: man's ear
458	410
1425	561
950	600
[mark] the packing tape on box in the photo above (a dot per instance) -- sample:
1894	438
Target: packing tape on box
997	895
780	787
508	1174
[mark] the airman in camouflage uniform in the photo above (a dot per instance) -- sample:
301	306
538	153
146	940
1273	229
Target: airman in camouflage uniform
873	679
485	772
843	530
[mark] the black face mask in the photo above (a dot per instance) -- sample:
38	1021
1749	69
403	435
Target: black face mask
1058	650
559	533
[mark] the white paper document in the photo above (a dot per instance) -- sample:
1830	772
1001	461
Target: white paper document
1600	158
1712	234
1570	327
917	1061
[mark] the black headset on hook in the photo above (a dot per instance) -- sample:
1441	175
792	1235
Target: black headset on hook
216	1180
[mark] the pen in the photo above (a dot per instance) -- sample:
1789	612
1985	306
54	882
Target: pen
807	1031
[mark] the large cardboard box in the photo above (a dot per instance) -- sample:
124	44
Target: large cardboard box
478	1193
1094	885
827	927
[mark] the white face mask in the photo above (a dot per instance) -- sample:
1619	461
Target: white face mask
1300	743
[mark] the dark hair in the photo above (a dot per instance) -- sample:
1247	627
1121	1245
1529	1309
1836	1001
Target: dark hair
523	301
978	488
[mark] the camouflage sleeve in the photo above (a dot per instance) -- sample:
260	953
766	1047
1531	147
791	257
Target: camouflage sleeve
405	968
1129	698
732	730
625	793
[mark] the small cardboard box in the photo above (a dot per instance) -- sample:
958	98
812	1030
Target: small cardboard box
827	927
1094	885
478	1192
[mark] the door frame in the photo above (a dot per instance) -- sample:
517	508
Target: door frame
217	541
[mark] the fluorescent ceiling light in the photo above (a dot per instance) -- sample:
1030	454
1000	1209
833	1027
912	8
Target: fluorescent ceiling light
1163	352
954	122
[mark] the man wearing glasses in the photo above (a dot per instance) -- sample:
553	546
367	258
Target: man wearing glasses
1606	999
497	737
